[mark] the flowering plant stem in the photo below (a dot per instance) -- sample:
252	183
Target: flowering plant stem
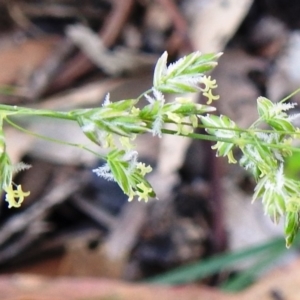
115	125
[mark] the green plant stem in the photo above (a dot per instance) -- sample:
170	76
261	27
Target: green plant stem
19	110
16	110
239	141
53	140
290	95
240	130
143	94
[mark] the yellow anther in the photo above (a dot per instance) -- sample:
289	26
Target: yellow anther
15	197
210	96
145	191
143	168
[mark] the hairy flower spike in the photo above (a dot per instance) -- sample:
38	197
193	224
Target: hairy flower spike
184	75
104	172
274	114
157	125
291	227
158	96
266	147
106	101
223	128
131	158
124	168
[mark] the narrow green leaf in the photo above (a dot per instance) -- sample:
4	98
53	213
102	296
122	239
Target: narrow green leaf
178	68
281	124
248	276
264	106
122	105
120	176
160	69
175	87
200	270
202	68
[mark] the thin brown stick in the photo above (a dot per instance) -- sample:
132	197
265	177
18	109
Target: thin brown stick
80	64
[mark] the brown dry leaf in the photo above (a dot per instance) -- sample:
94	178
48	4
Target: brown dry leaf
21	287
283	283
18	61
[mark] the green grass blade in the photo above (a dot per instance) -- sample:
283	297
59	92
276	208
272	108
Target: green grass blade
211	266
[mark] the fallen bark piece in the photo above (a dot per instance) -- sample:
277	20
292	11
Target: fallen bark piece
41	288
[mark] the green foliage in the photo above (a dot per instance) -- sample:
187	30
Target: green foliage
263	255
115	125
292	166
224	128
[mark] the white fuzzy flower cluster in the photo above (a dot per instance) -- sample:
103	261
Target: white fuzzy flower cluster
124	168
14	194
186	75
263	155
115	124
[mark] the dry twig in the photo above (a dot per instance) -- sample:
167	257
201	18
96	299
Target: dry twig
80	64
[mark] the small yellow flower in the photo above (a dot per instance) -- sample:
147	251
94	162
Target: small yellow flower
231	158
145	191
15	197
210	96
126	143
109	141
183	100
184	130
143	168
293	204
174	117
209	83
135	111
194	120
